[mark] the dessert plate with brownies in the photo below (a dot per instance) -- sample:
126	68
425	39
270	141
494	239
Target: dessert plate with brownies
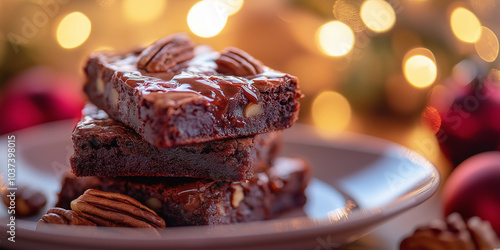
181	146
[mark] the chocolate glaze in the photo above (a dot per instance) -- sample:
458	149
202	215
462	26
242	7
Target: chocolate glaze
197	76
191	102
191	194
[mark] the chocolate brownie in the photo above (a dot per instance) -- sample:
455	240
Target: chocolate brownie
173	93
105	147
189	201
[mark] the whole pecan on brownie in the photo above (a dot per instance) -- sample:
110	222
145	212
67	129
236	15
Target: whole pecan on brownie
63	217
237	62
115	210
454	233
165	53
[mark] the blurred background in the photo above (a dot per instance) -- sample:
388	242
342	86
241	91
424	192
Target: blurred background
395	69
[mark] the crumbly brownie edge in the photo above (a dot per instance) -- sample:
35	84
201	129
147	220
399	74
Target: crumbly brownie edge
219	203
103	147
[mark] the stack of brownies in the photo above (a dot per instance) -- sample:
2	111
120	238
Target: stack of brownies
189	132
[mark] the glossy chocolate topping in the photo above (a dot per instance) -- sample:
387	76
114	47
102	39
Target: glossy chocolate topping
196	78
97	121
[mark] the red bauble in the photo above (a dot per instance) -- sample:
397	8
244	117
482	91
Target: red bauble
473	189
472	124
39	95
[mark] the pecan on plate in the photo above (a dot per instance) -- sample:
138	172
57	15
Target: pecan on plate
233	61
28	201
165	53
453	233
115	210
64	217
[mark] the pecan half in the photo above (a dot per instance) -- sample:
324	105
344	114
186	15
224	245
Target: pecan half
28	201
64	217
115	210
165	53
233	61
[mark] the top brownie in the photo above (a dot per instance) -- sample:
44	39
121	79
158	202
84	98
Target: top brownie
174	93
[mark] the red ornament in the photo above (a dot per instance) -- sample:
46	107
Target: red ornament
39	95
473	189
472	124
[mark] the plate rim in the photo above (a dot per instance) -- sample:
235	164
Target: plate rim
348	141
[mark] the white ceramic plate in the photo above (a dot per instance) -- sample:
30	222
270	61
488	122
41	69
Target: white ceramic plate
359	183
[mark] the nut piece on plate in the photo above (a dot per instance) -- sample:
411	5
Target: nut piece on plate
233	61
115	210
165	53
452	234
63	217
27	201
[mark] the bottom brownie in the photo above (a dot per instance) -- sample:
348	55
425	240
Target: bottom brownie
188	201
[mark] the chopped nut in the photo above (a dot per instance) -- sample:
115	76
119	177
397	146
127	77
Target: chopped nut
115	97
253	109
115	210
153	203
165	53
28	201
237	195
99	85
237	62
221	208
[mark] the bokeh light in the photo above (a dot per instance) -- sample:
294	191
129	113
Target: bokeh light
73	30
143	11
335	38
487	45
483	8
331	111
465	25
207	18
494	75
378	15
420	71
348	12
231	6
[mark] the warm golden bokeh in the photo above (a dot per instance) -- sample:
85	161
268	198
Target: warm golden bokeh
348	12
73	30
335	38
494	75
331	112
378	15
465	25
207	18
487	45
420	71
231	6
143	11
